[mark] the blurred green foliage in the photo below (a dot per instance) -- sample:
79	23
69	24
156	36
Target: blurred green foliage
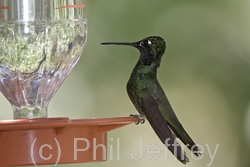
204	72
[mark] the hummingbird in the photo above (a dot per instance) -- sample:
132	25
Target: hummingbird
148	97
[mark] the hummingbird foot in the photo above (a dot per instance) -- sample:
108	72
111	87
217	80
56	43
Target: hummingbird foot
141	118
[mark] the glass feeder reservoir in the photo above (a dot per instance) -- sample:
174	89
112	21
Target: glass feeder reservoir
41	41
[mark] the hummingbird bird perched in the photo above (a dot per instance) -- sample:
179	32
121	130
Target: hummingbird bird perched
149	99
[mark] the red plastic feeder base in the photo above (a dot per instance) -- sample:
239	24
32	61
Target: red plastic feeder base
56	140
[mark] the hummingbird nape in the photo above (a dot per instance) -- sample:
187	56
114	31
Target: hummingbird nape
149	99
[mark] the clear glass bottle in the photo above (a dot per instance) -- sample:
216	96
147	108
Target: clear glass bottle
41	41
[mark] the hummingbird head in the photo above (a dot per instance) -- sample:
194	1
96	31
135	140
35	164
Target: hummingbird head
151	48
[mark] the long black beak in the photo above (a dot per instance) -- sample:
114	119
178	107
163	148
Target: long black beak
135	44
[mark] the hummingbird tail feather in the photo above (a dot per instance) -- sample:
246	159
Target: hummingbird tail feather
186	139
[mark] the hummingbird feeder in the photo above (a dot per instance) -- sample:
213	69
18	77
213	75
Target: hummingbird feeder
41	41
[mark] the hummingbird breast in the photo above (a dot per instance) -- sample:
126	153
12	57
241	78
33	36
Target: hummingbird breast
137	82
131	90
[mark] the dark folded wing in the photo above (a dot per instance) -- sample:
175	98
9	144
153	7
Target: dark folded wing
161	127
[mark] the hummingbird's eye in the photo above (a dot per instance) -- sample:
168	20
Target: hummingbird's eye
146	43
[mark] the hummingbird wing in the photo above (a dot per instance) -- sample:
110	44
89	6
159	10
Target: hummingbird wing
163	106
161	128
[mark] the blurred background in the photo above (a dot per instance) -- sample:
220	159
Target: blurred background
204	72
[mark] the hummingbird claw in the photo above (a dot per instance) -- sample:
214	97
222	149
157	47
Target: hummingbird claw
141	119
